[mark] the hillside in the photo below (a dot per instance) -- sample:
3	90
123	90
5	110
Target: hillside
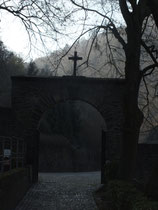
96	62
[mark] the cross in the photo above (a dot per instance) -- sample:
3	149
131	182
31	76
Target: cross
75	58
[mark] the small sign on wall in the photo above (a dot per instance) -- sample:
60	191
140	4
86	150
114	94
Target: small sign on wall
7	153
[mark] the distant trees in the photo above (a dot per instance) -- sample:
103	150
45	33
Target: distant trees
10	65
64	119
45	71
32	69
9	62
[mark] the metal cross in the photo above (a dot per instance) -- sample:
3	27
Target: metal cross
75	58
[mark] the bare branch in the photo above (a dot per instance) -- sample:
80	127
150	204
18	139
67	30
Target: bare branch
150	68
149	51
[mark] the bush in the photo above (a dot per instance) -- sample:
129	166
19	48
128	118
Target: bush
111	170
125	196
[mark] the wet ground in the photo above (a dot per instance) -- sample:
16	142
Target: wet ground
62	191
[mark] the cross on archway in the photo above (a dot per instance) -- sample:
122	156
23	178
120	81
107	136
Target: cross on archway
75	58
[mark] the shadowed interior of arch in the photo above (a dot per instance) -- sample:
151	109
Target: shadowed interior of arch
70	138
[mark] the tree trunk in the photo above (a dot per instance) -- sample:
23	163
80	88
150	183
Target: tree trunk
153	5
132	124
133	116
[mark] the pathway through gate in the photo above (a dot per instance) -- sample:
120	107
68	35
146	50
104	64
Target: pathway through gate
62	191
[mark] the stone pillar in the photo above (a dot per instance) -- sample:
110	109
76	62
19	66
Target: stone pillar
32	153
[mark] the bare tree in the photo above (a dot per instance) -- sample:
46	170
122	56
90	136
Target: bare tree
47	18
135	19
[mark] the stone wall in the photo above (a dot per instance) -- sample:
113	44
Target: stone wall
147	160
13	186
9	125
6	121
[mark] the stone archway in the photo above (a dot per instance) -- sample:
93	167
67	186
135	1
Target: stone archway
32	96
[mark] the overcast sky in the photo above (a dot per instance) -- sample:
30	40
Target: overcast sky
13	35
15	38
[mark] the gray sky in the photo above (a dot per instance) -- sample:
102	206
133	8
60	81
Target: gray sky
13	35
15	38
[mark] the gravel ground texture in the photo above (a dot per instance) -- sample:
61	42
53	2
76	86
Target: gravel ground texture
62	191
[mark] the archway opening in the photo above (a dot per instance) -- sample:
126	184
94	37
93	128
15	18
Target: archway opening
71	138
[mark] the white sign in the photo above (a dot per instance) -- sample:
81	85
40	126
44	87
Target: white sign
7	152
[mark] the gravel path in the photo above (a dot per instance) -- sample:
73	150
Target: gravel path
62	191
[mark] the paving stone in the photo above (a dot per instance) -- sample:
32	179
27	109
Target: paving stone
62	191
